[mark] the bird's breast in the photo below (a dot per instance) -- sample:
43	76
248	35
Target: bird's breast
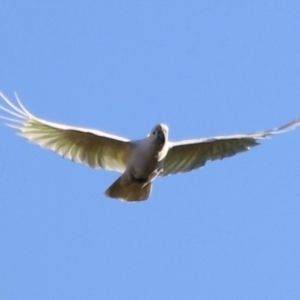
145	161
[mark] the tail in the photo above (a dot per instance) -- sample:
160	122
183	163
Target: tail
133	192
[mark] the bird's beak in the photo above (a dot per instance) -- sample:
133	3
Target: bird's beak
161	137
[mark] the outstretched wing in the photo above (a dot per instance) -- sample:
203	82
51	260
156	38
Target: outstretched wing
91	147
185	156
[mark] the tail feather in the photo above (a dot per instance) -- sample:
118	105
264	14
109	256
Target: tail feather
133	192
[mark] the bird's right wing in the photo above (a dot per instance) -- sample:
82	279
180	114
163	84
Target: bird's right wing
90	147
185	156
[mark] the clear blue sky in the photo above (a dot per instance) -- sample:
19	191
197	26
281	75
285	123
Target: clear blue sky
228	231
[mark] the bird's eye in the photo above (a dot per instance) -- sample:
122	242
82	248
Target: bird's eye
153	132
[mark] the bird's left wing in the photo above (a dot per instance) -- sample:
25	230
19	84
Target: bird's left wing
185	156
90	147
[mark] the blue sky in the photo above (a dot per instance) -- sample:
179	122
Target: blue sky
205	68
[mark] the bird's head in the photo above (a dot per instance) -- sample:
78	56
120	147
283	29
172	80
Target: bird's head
160	134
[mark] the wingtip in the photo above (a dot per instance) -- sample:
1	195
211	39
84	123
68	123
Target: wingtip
19	112
289	126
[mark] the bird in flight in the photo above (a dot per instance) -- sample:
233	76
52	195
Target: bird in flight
139	161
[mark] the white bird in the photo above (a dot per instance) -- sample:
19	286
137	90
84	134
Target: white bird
139	161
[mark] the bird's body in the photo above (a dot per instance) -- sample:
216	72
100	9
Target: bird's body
144	165
141	161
